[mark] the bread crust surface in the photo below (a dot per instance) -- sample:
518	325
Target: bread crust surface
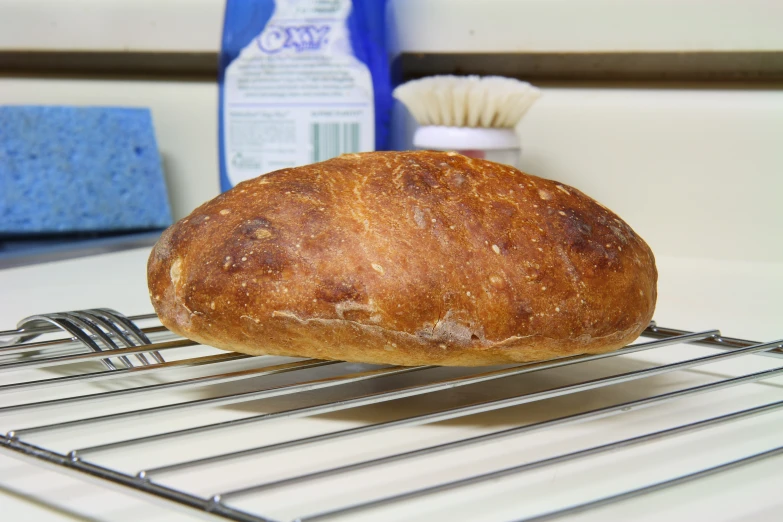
404	258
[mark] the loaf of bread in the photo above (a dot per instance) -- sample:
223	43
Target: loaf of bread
404	258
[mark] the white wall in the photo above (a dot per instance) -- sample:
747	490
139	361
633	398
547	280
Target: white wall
424	25
698	173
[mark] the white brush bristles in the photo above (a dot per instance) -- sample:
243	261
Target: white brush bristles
467	101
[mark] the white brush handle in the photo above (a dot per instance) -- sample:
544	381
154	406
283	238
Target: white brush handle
453	138
498	145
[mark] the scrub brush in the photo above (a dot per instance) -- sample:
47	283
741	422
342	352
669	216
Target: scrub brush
469	114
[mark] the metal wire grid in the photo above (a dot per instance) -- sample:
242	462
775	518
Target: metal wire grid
82	460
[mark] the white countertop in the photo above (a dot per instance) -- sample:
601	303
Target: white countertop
740	298
28	492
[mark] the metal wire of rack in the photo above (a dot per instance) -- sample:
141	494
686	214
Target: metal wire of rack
219	407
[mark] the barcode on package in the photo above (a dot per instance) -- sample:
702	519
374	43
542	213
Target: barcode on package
332	139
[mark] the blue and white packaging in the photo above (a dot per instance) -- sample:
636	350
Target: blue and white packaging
300	81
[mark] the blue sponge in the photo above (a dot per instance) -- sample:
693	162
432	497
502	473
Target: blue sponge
79	169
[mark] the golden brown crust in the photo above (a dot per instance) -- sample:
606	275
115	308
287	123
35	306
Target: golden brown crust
404	258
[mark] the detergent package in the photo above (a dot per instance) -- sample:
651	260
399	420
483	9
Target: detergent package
300	81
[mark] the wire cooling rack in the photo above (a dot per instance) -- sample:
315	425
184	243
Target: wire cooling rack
124	401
